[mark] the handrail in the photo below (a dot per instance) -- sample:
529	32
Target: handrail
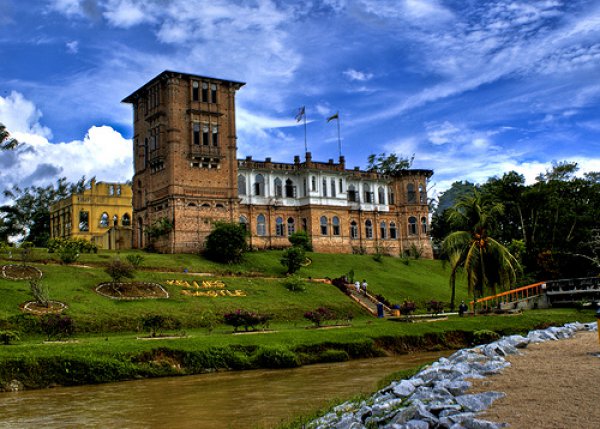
523	292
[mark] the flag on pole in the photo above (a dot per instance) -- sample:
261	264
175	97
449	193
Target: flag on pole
301	113
336	116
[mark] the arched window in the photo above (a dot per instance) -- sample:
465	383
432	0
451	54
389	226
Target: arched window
335	225
219	206
412	225
104	220
424	225
422	194
383	230
323	224
261	229
244	222
381	195
290	189
115	220
393	233
279	227
352	194
278	188
126	220
241	184
368	228
259	185
411	196
353	230
368	193
291	226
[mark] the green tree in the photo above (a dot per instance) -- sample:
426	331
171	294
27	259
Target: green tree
390	164
488	264
293	258
118	270
226	242
6	141
301	239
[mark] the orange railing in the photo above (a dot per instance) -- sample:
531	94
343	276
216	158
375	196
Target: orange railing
518	294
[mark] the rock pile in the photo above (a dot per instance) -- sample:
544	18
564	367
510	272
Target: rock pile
436	397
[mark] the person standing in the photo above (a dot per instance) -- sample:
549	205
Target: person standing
364	287
357	286
462	309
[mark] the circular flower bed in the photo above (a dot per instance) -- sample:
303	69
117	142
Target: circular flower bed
20	272
132	290
37	308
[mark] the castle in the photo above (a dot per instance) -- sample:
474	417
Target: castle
186	171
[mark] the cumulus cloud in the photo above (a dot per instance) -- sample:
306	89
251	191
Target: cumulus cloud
358	75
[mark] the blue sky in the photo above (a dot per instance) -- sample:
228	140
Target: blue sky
472	88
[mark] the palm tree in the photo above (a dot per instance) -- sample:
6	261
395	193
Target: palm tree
488	264
6	141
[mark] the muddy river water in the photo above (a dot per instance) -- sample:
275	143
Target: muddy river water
246	399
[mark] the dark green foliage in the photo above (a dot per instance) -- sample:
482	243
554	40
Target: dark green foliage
388	164
484	337
118	270
320	315
25	251
247	319
6	337
156	323
294	284
80	245
161	227
333	355
57	326
301	239
276	357
40	292
135	260
226	243
6	141
293	258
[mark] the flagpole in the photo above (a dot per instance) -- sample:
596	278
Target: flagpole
305	144
339	139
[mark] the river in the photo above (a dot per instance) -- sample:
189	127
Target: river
245	399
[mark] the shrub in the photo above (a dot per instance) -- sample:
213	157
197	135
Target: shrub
208	320
294	284
484	336
25	251
40	292
292	259
320	315
80	245
247	319
57	326
156	323
334	355
135	260
68	254
226	242
6	337
118	270
276	357
301	239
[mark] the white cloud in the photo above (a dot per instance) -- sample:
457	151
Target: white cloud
21	116
72	47
358	75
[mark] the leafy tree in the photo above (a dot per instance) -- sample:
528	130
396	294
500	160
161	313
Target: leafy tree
118	270
390	164
295	284
226	242
301	239
487	262
293	258
29	213
6	141
154	323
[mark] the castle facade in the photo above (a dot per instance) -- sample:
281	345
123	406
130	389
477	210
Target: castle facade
186	172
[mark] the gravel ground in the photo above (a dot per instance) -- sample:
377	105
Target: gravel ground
555	384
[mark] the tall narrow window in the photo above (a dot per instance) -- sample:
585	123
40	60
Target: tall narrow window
304	224
367	190
391	198
215	135
196	133
382	230
323	223
278	188
410	193
205	135
368	228
341	186
261	229
412	225
259	185
213	93
352	194
381	195
313	183
195	90
244	222
304	188
104	220
290	189
353	230
424	225
335	225
205	92
324	187
115	220
393	233
333	188
291	226
279	227
241	184
422	194
84	221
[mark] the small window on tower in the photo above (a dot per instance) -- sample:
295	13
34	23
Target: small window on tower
205	133
195	90
215	135
196	134
213	93
205	92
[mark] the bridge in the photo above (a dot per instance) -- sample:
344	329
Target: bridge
544	294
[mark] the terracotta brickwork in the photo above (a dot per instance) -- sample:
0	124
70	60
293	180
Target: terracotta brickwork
186	171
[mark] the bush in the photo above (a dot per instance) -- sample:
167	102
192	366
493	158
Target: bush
118	270
247	319
294	284
68	254
156	323
57	326
333	355
484	336
6	337
226	243
301	239
276	357
135	260
320	315
292	259
80	245
25	251
40	292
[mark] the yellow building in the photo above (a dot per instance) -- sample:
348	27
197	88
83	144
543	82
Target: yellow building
101	214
